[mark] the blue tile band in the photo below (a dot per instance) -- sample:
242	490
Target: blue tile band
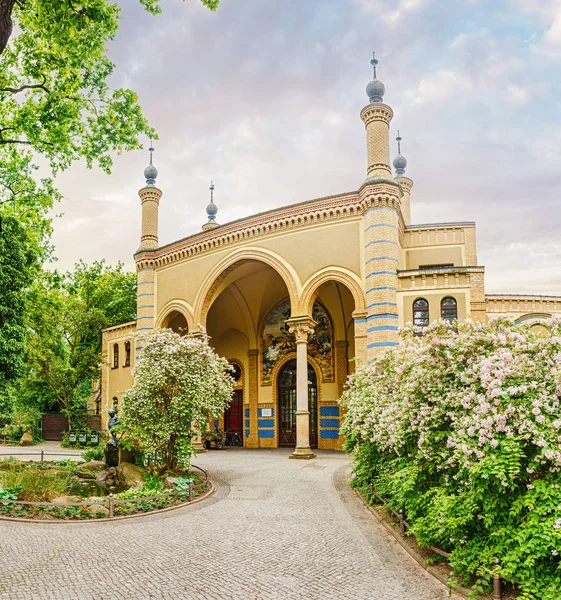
266	433
329	434
266	422
329	411
329	423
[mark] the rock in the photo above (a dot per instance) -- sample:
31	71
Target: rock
93	465
65	499
85	475
101	476
96	509
130	475
170	483
26	439
111	454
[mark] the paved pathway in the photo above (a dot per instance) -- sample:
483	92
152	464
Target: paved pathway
276	529
51	451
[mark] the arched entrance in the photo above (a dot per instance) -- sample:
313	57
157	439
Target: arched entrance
286	385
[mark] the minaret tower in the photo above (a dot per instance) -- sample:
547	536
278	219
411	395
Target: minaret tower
380	197
399	163
150	198
211	211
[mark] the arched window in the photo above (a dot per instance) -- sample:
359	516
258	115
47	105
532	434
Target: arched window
127	354
115	356
420	313
449	309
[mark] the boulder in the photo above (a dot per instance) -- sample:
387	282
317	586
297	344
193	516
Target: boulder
130	475
101	476
170	483
66	499
93	465
26	439
96	509
85	475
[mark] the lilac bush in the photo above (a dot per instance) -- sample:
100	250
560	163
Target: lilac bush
180	384
462	428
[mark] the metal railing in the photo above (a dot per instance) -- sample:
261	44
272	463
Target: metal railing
404	527
111	500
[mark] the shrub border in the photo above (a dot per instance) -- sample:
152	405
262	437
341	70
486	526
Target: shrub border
416	556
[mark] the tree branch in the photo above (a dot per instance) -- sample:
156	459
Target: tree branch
35	86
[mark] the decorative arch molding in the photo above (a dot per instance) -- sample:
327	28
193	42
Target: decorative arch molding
181	307
211	284
532	318
277	369
338	274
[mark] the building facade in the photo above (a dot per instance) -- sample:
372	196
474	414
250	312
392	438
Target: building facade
295	297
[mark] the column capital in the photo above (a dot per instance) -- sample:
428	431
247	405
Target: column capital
301	327
253	352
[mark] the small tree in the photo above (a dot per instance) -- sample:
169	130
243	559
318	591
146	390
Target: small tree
180	384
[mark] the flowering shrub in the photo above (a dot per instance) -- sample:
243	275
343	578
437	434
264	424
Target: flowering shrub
180	384
462	429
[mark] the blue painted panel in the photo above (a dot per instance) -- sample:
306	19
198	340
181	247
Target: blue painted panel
266	422
247	423
266	433
247	412
260	411
329	434
329	423
247	433
216	423
329	411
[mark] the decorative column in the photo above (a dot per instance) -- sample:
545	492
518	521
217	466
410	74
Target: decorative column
150	197
302	327
252	441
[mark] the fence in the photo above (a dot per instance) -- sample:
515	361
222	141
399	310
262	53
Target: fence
111	500
404	526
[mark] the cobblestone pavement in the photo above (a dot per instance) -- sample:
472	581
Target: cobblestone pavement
275	529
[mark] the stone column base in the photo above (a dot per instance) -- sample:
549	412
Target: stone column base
302	454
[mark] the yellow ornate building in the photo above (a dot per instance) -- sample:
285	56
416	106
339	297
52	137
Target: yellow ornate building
292	296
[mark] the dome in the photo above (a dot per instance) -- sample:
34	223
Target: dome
211	210
150	173
399	163
375	91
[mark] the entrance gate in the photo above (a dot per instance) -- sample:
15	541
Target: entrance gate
233	415
287	405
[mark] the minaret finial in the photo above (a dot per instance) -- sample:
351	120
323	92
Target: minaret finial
374	62
399	162
211	209
375	89
150	172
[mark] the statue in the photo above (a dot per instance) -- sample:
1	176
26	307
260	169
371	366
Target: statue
113	420
111	449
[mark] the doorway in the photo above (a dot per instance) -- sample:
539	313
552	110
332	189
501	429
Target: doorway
286	383
233	415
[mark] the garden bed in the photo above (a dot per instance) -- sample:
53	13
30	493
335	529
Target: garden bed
39	491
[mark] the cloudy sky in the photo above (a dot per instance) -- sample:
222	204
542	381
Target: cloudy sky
264	98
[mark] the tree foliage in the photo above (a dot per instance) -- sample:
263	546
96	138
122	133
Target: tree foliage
55	98
66	317
180	384
18	267
462	428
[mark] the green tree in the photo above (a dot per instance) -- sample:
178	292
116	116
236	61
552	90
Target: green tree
18	267
55	99
179	386
66	316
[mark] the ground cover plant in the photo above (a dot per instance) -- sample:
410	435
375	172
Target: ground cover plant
44	482
462	429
